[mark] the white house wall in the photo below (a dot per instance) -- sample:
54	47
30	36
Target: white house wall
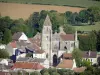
23	37
93	60
2	46
43	55
21	56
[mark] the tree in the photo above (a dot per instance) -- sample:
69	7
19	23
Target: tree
65	72
4	53
77	56
45	73
98	41
35	73
7	37
68	14
93	14
68	29
83	16
29	54
55	73
86	62
92	40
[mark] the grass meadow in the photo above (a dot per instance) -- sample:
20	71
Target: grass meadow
88	27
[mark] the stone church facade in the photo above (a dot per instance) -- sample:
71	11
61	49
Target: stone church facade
57	43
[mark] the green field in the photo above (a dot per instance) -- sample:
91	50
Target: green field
88	27
77	3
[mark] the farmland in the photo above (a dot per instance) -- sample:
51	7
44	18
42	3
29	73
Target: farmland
78	3
16	11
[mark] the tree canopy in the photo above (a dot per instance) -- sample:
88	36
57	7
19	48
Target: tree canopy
4	53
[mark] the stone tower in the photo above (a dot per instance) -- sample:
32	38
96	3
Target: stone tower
47	39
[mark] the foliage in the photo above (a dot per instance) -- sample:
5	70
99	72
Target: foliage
68	29
98	41
86	62
46	73
77	56
29	54
65	72
91	15
83	16
35	73
91	71
4	53
88	41
9	26
55	73
7	36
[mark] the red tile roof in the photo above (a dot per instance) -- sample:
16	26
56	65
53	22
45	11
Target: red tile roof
13	44
67	37
27	65
36	45
81	69
67	55
66	64
4	73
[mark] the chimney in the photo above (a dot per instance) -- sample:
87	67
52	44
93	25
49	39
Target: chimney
89	52
76	35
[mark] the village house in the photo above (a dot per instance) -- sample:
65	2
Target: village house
91	56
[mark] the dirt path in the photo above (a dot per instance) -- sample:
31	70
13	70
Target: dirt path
16	11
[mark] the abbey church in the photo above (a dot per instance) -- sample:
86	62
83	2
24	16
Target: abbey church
45	46
57	43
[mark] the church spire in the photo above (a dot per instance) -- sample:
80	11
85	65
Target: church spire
47	21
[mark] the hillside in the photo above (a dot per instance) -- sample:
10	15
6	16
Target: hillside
16	11
79	3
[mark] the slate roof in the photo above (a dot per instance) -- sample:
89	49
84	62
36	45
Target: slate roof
16	36
89	54
26	59
39	60
65	64
27	65
67	37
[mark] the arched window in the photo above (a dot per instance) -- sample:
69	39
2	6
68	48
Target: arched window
55	60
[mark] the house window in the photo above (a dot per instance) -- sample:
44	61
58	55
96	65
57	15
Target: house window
86	59
65	47
91	60
72	45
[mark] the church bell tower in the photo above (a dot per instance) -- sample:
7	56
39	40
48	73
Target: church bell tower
47	39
